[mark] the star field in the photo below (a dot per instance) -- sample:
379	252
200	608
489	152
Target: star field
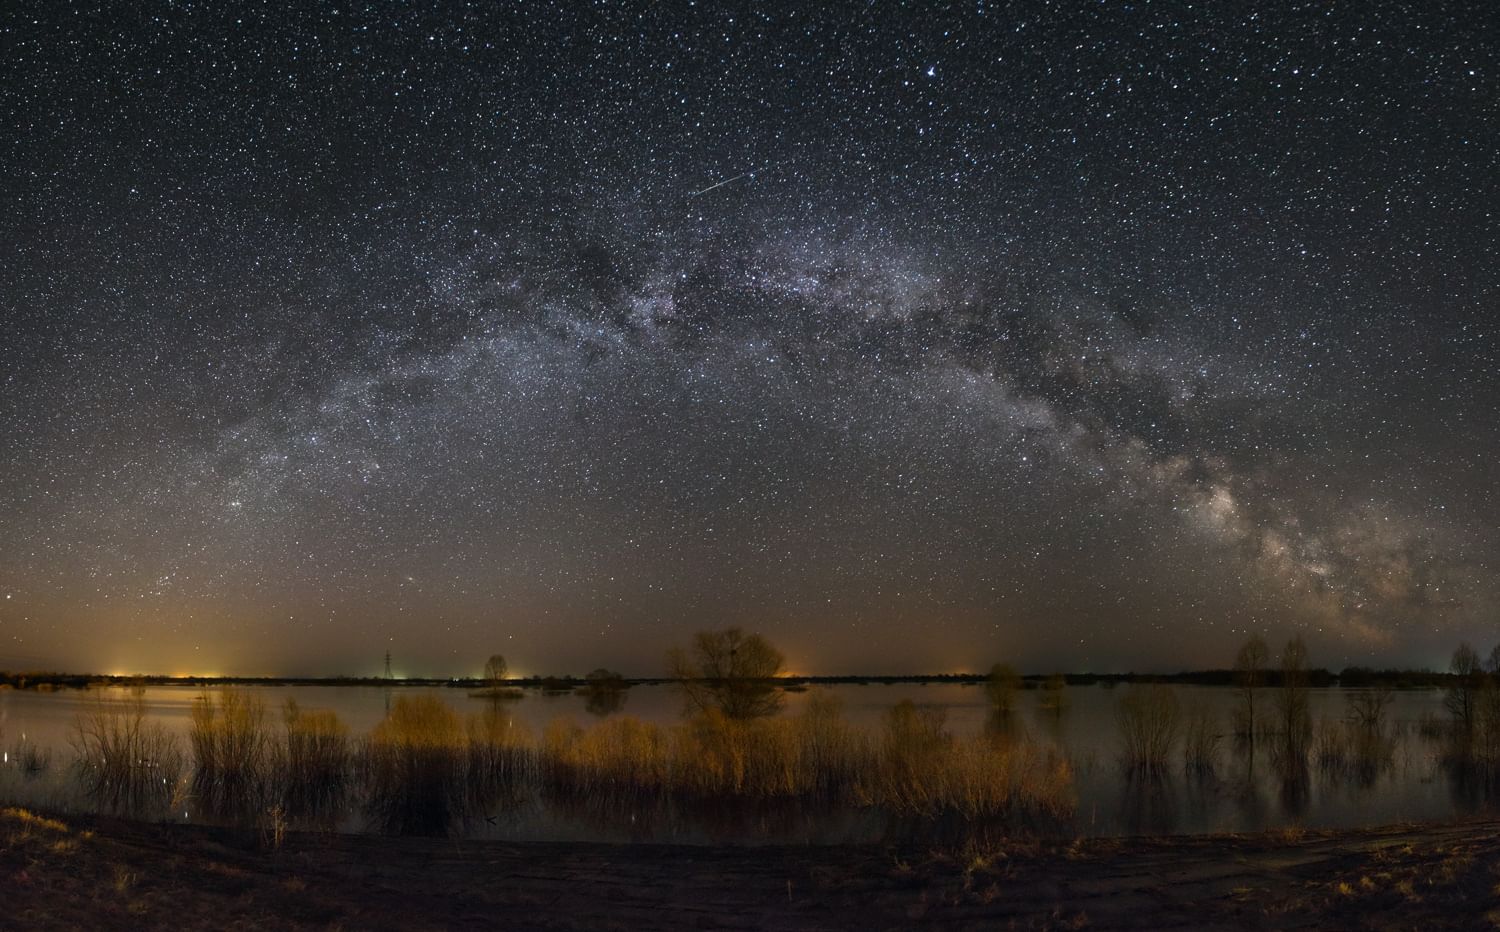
1084	335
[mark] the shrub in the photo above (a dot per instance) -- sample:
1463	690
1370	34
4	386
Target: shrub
126	763
232	749
1148	719
1001	687
314	763
1200	746
414	768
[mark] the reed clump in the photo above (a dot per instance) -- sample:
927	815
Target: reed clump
811	755
30	758
1474	752
425	770
232	748
312	766
500	756
125	762
1200	743
922	769
1149	721
414	768
913	766
1353	749
622	756
1052	695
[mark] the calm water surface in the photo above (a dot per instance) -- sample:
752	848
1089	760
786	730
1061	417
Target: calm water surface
1243	793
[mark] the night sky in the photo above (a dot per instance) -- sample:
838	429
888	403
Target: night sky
915	337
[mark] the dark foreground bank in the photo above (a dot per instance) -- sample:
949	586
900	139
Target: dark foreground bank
101	873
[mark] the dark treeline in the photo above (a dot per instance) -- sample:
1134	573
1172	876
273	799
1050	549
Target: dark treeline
1355	677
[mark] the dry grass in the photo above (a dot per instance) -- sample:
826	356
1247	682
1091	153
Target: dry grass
29	758
912	766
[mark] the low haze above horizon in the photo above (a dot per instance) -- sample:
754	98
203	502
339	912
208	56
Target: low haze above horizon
914	337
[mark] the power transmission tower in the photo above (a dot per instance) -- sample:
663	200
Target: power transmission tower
388	665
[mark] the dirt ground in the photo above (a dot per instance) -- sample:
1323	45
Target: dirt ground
96	873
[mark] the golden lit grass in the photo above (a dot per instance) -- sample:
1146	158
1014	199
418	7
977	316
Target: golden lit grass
500	755
414	767
28	820
232	749
912	766
313	763
923	769
424	769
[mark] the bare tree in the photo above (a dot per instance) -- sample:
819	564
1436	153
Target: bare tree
495	669
1459	699
1292	711
1493	664
728	671
1367	706
1149	721
1002	686
1249	675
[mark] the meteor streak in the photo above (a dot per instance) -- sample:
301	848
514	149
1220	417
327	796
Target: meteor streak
723	183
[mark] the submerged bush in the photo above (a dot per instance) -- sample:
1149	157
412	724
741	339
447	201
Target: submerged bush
425	770
30	758
500	757
124	762
232	751
1053	695
925	770
1148	719
413	766
1001	687
312	766
1200	745
913	766
1352	750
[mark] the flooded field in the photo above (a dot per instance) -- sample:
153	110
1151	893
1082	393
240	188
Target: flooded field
846	763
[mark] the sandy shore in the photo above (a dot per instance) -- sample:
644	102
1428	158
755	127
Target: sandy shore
101	873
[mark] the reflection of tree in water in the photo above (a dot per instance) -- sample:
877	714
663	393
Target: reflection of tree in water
1004	727
1246	791
605	693
1053	721
1295	789
1201	791
602	702
1148	803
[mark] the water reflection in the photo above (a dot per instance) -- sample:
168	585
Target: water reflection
125	763
1362	760
602	700
1149	803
